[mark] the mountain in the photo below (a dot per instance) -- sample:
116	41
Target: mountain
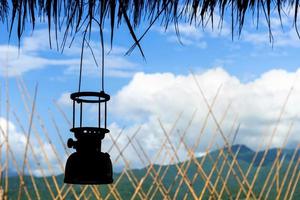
247	155
171	178
241	149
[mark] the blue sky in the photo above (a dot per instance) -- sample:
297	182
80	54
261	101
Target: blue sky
256	75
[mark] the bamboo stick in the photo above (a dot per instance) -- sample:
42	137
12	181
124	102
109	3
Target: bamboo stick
250	191
275	162
34	155
61	164
251	165
229	172
219	172
166	155
22	84
199	166
7	102
162	147
198	139
272	135
182	165
296	169
225	158
114	185
287	172
172	158
31	176
186	179
158	182
131	176
156	177
200	169
274	179
216	161
295	183
27	141
15	164
24	95
112	188
211	159
185	169
159	171
1	146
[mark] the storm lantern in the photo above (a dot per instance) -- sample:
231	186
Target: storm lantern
88	165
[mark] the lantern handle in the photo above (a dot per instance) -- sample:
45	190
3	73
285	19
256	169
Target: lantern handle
102	59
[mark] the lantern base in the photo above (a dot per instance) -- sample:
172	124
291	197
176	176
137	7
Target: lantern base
93	168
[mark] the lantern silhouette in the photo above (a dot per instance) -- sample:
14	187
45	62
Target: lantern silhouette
88	165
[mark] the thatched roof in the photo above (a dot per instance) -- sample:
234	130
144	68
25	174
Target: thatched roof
73	16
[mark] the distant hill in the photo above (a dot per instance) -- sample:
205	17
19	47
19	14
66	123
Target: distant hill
171	180
247	155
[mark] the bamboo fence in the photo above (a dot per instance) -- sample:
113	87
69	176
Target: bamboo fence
208	177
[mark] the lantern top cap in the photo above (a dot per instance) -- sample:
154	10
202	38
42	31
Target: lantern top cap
90	97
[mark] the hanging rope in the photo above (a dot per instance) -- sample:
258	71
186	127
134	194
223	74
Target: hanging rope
81	62
102	54
102	60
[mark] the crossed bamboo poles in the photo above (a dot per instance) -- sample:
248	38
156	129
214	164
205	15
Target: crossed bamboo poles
228	158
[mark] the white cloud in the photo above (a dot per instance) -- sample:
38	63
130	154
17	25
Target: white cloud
15	62
187	42
149	97
164	95
196	35
64	99
189	35
283	31
30	56
34	54
280	38
17	142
